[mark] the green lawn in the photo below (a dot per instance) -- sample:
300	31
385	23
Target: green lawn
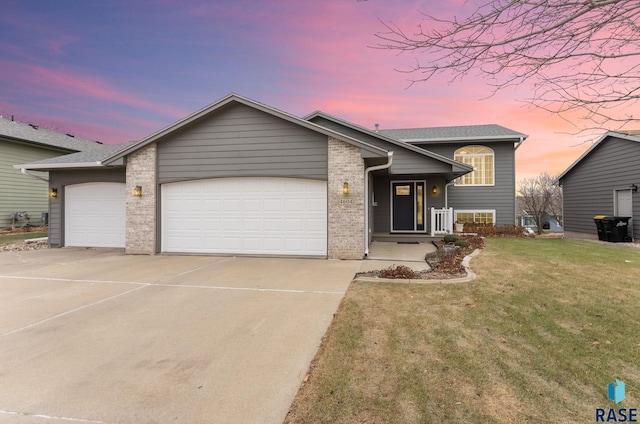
19	237
536	338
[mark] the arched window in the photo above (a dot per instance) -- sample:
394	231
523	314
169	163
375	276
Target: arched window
481	158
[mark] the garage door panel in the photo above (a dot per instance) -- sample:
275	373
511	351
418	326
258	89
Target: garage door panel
95	215
246	215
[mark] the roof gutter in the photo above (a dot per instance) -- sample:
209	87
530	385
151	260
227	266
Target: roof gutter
50	166
366	197
37	177
460	139
518	144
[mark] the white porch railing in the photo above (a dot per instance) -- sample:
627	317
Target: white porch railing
441	221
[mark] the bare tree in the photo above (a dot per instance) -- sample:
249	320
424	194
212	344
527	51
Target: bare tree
541	197
579	55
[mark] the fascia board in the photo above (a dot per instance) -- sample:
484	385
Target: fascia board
45	166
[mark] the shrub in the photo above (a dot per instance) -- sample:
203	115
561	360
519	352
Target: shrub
450	238
400	271
513	231
462	244
491	230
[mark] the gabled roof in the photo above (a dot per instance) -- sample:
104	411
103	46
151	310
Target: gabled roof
631	135
451	134
88	159
33	134
378	134
235	98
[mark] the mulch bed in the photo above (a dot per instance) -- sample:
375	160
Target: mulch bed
443	264
418	275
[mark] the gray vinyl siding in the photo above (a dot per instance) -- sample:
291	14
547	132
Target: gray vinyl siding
588	189
382	196
20	192
499	197
241	141
60	179
405	162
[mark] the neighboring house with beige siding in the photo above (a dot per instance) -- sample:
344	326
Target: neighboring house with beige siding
20	143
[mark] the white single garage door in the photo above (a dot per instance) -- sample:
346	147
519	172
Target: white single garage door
95	215
271	216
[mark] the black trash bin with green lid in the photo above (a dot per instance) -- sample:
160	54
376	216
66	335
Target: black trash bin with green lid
598	220
616	228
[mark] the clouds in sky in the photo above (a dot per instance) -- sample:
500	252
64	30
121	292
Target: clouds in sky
120	70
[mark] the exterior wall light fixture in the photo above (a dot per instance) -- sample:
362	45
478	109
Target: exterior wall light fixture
137	191
634	187
434	190
345	188
53	193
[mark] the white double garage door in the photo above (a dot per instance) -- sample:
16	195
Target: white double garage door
269	216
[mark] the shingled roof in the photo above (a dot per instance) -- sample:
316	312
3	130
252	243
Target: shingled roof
87	159
458	133
33	134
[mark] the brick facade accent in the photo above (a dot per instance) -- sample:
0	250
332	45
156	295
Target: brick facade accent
141	211
345	212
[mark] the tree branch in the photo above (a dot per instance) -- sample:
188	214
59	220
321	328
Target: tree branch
577	55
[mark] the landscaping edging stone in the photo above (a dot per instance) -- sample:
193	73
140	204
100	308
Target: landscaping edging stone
25	246
466	262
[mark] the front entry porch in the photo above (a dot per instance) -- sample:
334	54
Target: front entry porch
409	206
440	223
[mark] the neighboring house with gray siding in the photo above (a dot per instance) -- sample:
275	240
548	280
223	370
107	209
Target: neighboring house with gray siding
241	177
20	143
603	181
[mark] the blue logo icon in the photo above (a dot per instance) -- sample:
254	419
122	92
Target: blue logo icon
615	391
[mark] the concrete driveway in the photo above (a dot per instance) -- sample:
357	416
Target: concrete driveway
94	336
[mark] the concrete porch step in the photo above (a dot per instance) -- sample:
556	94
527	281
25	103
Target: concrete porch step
400	251
407	238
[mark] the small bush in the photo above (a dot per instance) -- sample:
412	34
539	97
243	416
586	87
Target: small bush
400	272
450	238
513	231
491	230
462	244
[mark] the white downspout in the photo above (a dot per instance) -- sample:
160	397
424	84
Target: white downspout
515	206
446	193
366	198
25	172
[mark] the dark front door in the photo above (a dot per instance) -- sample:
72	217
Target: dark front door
407	203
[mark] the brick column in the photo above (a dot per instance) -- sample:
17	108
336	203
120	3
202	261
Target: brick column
141	211
345	212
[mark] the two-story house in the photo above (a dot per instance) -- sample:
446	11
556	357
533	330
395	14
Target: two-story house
241	177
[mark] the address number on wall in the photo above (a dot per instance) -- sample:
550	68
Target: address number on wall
346	201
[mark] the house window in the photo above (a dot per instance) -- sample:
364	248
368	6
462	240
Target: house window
482	160
479	217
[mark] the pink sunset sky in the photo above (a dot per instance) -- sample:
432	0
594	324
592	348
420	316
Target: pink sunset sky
120	70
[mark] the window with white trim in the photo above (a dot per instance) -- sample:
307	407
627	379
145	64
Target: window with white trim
482	160
478	217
